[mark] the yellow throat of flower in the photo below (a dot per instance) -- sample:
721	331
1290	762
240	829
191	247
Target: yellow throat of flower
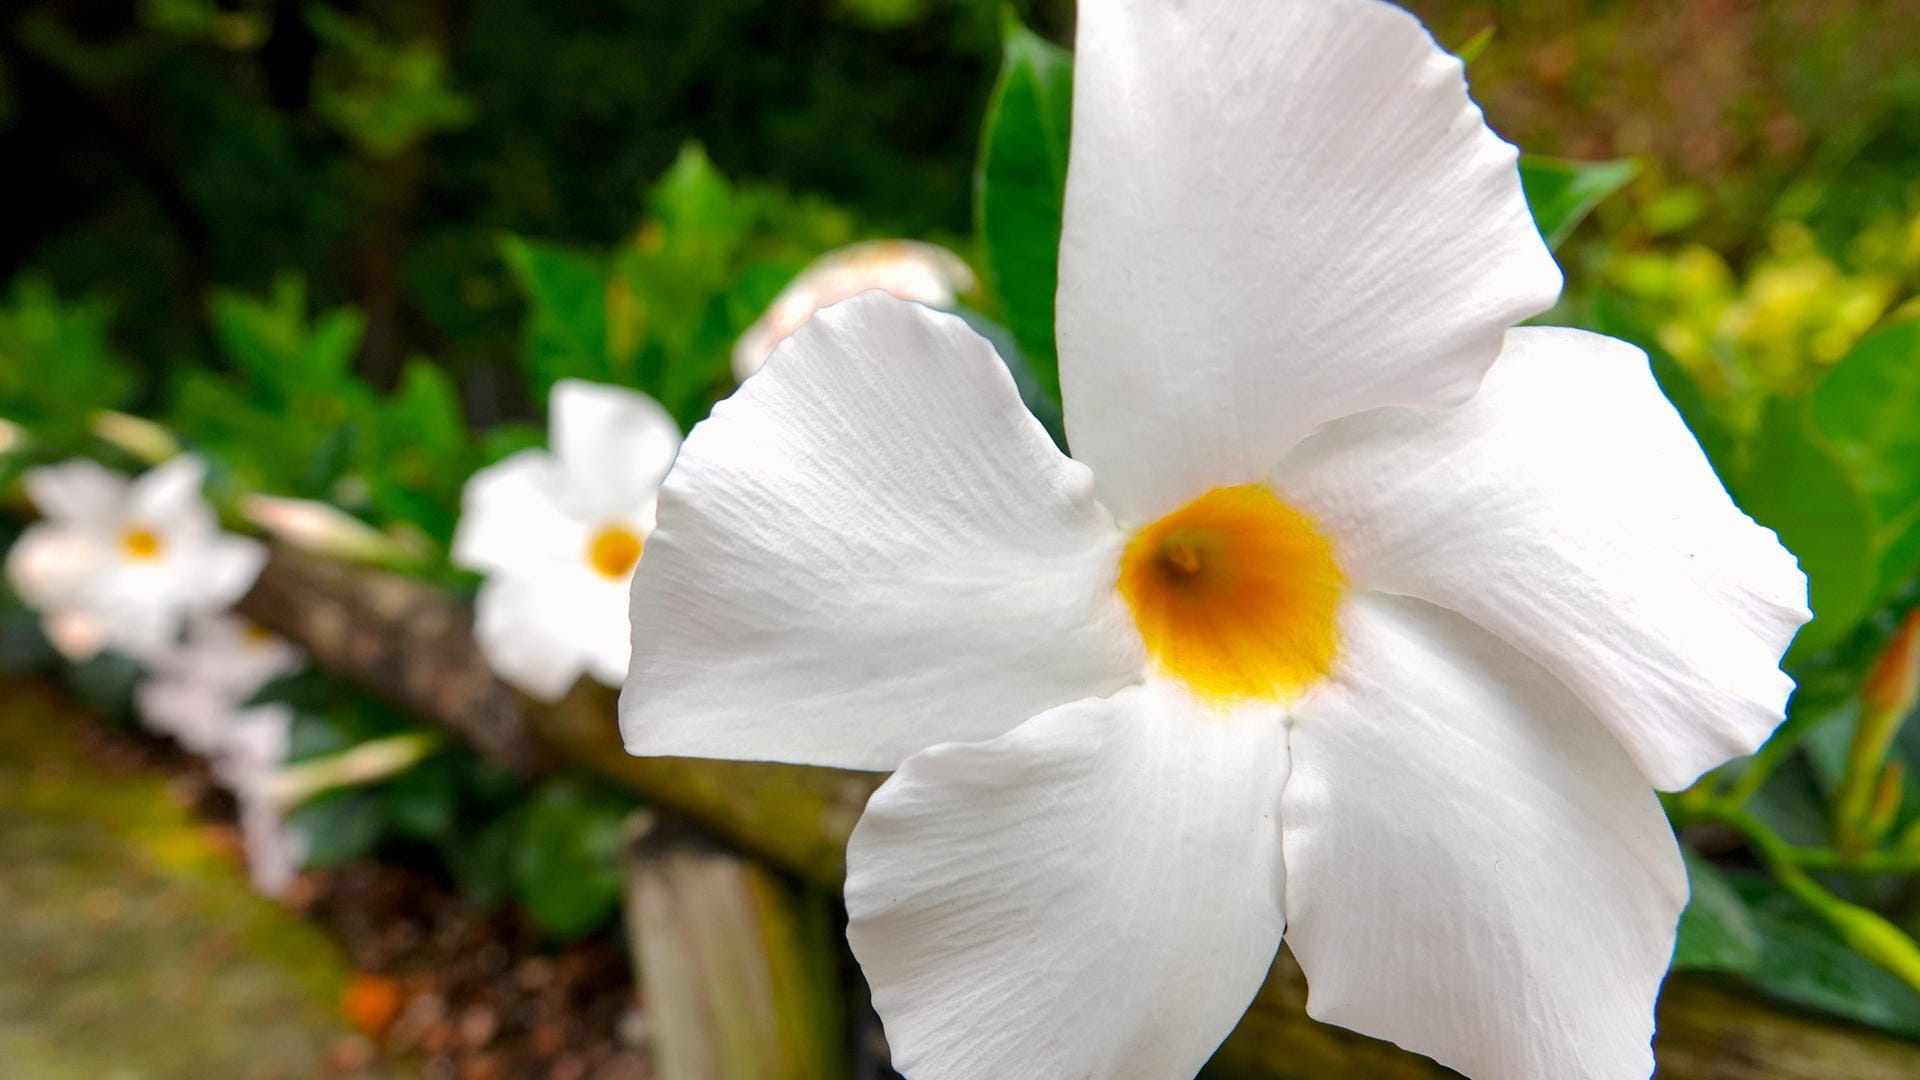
1235	595
141	544
613	551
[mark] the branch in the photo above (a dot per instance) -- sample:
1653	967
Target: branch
412	645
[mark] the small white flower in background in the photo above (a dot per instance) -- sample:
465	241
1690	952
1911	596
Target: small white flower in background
1318	630
908	269
247	764
121	564
194	688
557	535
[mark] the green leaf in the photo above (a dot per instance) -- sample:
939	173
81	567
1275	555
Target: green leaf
272	342
1020	188
1717	932
1798	487
1868	408
566	866
566	294
1562	193
56	363
340	826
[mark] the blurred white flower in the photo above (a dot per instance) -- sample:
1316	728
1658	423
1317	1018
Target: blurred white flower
193	688
248	763
908	269
1318	631
121	565
12	436
557	535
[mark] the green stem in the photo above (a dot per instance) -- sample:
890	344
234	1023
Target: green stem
1865	930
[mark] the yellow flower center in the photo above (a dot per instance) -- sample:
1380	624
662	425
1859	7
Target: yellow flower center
1235	595
141	543
613	551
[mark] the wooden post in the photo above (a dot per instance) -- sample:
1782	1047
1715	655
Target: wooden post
737	966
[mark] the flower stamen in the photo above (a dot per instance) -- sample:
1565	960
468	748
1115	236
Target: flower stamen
141	544
613	551
1235	595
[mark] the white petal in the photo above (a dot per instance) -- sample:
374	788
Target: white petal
870	548
614	444
1567	509
1277	214
169	494
219	570
55	564
1474	868
77	635
510	520
78	491
524	629
1094	894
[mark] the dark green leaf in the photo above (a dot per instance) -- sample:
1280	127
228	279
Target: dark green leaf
340	826
1716	930
1562	193
1020	187
1802	961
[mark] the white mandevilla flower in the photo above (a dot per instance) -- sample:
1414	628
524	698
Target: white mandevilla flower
122	565
194	688
247	763
907	269
1318	629
558	533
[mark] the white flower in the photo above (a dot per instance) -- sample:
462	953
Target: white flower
907	269
194	688
247	764
122	565
1317	631
557	535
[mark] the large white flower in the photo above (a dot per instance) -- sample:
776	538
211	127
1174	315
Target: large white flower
1357	613
558	533
908	269
122	565
194	688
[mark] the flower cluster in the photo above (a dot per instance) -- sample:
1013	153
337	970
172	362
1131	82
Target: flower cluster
141	568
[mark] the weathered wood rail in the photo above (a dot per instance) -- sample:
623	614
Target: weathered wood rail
412	645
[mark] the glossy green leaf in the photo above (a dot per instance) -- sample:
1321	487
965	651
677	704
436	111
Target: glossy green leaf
1797	486
1020	187
1868	408
1562	193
